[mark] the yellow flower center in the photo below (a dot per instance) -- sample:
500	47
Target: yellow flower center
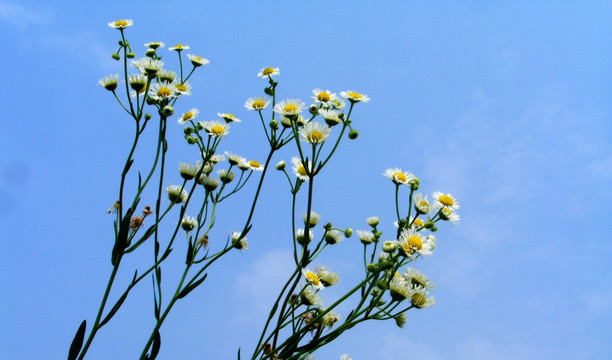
423	203
399	177
445	200
164	92
415	242
216	130
267	71
229	116
180	87
323	96
418	222
312	278
254	163
178	46
121	23
197	58
406	248
301	170
418	300
316	136
188	115
290	108
446	212
354	95
258	104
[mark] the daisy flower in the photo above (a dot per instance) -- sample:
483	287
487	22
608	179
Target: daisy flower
398	176
265	72
312	279
239	243
299	170
314	219
314	133
366	237
138	82
337	103
162	90
197	61
209	183
155	45
417	278
416	223
254	165
300	236
179	48
411	241
398	288
448	215
310	298
330	116
109	82
189	223
226	176
176	194
334	236
189	115
354	97
183	89
322	96
330	319
234	159
148	66
289	107
328	278
421	205
419	299
446	200
121	24
166	75
189	171
228	117
257	103
215	128
372	221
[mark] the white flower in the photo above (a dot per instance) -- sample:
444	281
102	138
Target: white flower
179	47
314	133
162	90
166	75
417	278
254	165
109	82
189	171
411	241
398	288
314	218
354	96
138	82
330	319
330	116
334	236
446	200
265	72
176	194
189	223
312	279
147	65
257	103
366	237
239	243
226	176
299	170
310	298
234	159
345	357
398	176
322	96
328	278
300	236
155	45
209	183
419	299
189	115
421	205
215	128
216	158
337	103
372	221
197	61
448	215
183	89
289	107
228	117
121	24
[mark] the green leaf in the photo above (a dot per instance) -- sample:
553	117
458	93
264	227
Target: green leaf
77	342
122	238
238	353
128	166
189	259
188	289
116	307
156	345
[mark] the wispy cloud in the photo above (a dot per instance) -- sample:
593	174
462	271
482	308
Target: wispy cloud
22	16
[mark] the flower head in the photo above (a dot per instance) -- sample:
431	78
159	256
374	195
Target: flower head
234	159
398	288
447	214
189	223
179	48
189	115
289	107
238	241
268	71
354	97
309	297
314	133
215	128
334	236
183	89
398	176
162	90
331	117
328	278
189	171
411	241
322	96
254	165
372	221
446	200
166	75
138	82
366	237
155	45
330	319
121	24
312	279
148	66
257	103
421	205
419	299
176	194
197	61
109	82
228	117
417	278
300	236
299	170
314	219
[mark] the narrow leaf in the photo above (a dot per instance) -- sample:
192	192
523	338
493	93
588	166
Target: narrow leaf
156	345
116	307
188	289
77	342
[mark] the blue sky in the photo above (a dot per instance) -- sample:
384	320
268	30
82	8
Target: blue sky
505	105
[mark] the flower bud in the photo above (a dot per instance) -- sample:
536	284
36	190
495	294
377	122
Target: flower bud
389	246
371	267
375	291
341	115
130	55
167	111
187	130
429	224
121	43
191	140
348	233
269	91
150	53
328	227
382	285
372	221
353	134
115	56
313	109
147	117
274	125
280	166
433	229
400	320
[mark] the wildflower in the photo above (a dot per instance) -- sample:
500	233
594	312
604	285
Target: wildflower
176	194
234	159
265	72
197	61
411	241
238	241
136	222
310	298
155	45
333	236
215	128
226	176
216	158
189	171
109	82
354	97
417	278
209	183
203	241
416	223
299	170
448	215
280	165
312	279
148	66
366	237
179	48
398	176
300	236
162	91
147	211
419	299
446	200
166	75
372	221
138	82
330	116
400	320
121	24
389	246
421	205
328	278
228	117
314	133
254	165
183	89
322	96
189	115
398	288
314	219
330	319
189	223
337	103
289	107
258	103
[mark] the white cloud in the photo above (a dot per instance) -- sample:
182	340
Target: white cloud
21	16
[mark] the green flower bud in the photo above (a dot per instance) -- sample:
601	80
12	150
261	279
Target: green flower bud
199	126
115	56
120	43
280	166
400	320
353	134
433	229
167	111
269	91
375	291
313	109
329	226
130	55
429	224
187	130
341	115
147	117
348	233
389	246
371	267
150	53
382	285
274	125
